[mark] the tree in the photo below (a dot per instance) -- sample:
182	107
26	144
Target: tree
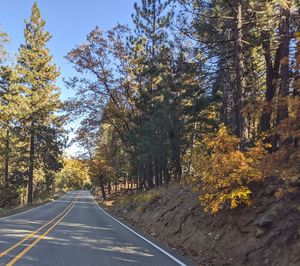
73	175
11	104
3	41
37	76
155	97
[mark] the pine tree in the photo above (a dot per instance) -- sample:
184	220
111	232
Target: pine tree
3	41
9	107
38	76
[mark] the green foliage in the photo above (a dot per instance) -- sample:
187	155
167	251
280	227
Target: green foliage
3	41
31	134
151	100
36	72
37	76
74	175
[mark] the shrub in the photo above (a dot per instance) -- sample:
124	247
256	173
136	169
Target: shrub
227	172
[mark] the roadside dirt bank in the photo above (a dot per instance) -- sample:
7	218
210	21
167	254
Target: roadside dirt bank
267	233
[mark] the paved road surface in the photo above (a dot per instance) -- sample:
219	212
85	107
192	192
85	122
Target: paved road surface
75	231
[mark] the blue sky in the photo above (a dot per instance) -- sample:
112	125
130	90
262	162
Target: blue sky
69	21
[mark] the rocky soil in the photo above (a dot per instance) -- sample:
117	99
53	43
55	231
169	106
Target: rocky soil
267	233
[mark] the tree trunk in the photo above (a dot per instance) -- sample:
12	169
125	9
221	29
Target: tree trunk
101	183
193	139
177	148
31	165
6	159
240	123
160	174
166	172
272	75
109	187
284	32
156	172
131	183
150	183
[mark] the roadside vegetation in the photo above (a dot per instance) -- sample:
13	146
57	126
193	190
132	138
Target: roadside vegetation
73	175
31	128
203	94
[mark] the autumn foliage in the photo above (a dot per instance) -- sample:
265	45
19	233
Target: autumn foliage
227	172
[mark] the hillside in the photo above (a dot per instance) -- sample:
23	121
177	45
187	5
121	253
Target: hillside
267	233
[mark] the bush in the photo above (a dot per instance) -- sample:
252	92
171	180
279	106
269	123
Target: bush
227	172
141	200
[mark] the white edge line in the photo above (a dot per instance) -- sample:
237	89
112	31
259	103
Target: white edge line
145	239
32	209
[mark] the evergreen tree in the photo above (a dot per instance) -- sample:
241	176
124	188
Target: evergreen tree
38	76
3	41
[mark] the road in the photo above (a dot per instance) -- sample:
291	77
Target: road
74	230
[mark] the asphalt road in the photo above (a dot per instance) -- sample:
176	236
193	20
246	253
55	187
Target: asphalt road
74	230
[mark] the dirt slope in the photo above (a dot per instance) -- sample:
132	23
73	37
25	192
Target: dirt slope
268	233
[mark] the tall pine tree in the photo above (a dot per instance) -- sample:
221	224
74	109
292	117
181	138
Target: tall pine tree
38	76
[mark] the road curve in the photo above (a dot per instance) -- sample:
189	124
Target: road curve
73	231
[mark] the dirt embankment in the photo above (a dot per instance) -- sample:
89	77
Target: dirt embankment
268	233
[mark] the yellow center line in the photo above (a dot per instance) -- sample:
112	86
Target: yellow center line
24	251
38	230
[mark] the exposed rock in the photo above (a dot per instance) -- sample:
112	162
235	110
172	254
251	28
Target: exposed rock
218	237
243	236
266	220
259	232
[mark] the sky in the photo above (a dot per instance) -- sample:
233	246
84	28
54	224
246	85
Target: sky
68	21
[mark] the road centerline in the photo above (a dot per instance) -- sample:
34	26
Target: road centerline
34	243
32	234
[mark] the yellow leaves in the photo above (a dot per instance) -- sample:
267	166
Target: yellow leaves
156	80
159	98
227	172
240	195
284	3
223	142
73	175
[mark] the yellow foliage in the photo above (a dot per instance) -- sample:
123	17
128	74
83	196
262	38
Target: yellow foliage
284	163
141	200
73	175
227	172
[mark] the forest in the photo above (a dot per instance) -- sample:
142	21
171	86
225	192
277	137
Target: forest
202	93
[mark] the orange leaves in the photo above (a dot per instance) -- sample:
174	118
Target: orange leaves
227	172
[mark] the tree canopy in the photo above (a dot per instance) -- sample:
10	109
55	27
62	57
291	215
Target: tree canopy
205	93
